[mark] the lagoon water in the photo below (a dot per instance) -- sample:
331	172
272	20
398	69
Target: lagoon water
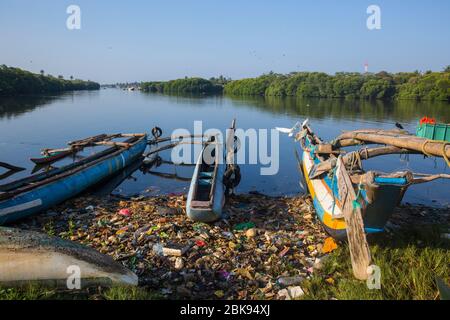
28	124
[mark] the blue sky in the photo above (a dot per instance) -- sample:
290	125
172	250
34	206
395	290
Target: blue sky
159	40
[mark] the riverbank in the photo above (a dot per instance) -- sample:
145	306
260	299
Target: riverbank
15	81
412	86
263	249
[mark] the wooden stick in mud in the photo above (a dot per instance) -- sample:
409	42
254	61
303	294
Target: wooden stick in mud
364	154
357	242
428	147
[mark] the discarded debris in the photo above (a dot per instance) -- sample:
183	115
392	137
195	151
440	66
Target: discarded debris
262	240
181	259
329	245
125	212
291	293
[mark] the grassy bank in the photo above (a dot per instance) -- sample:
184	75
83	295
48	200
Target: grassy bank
409	269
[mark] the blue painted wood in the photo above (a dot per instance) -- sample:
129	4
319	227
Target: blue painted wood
53	193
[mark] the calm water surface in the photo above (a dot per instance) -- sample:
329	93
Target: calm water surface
28	124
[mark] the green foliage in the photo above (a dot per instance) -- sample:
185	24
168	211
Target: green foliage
183	86
383	85
408	271
431	86
130	293
15	81
252	86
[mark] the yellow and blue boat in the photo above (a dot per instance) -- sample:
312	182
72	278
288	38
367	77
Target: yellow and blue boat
377	194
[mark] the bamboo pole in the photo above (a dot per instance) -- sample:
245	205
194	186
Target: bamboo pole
428	147
363	154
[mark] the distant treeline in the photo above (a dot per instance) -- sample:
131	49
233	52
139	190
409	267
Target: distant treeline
186	85
15	81
382	85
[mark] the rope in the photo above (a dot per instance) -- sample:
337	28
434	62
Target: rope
355	202
355	159
333	174
444	145
366	150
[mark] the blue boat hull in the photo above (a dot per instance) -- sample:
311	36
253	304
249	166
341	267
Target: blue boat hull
53	193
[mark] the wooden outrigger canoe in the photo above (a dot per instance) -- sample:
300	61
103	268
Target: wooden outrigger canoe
39	192
212	180
206	195
377	193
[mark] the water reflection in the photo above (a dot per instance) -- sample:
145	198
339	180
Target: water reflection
405	110
28	124
16	106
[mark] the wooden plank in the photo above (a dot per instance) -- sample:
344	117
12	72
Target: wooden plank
357	242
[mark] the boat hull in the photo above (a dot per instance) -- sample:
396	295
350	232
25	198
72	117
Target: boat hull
377	201
214	211
53	193
27	256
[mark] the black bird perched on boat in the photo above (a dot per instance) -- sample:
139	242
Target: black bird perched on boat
398	125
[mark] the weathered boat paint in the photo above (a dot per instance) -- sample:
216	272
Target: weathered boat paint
377	201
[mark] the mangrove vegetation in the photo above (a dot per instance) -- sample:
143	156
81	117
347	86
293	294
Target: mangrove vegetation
15	81
183	86
382	85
